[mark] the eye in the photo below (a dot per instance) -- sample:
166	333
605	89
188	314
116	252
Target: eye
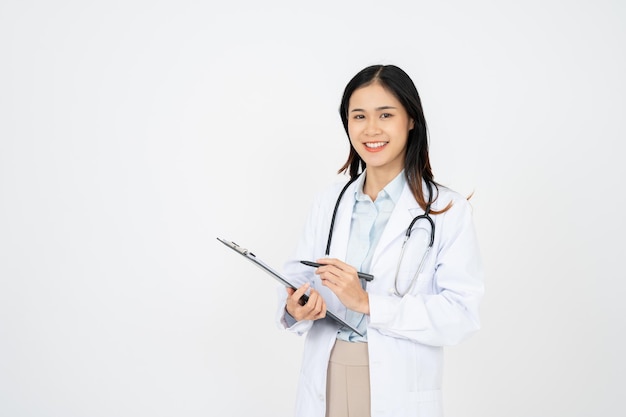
358	117
386	115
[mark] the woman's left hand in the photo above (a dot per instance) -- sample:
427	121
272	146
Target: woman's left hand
342	279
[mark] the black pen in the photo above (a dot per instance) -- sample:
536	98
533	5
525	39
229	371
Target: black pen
362	275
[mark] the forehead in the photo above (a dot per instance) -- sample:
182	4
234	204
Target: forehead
373	96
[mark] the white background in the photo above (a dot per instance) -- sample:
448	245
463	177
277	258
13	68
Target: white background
133	133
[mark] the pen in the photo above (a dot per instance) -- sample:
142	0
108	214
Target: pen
362	275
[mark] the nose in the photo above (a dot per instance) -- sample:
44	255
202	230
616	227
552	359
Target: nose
372	128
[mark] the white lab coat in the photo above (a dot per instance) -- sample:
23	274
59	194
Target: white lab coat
405	335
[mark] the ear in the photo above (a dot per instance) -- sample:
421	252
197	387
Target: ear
411	124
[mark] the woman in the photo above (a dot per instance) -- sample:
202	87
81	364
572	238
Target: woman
425	293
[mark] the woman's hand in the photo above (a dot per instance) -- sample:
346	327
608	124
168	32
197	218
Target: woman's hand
313	309
342	279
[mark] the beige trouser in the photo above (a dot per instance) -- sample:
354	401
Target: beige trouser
348	382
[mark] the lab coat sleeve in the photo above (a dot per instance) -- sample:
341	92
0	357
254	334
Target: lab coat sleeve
284	319
299	274
448	314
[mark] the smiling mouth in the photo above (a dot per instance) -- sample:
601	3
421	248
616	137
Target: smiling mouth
375	145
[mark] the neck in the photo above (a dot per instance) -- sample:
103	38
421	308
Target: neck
376	180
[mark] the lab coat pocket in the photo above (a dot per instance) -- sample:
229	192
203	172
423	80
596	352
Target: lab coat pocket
427	403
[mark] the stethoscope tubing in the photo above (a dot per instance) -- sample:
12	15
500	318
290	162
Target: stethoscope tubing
425	216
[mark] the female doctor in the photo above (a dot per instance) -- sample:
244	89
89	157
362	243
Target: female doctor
415	236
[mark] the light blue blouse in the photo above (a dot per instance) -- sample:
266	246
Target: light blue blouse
369	219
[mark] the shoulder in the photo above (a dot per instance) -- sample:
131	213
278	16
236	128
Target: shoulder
323	203
331	192
446	195
459	203
458	219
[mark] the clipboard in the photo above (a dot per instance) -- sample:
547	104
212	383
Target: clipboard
258	262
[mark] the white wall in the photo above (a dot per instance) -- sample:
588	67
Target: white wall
133	133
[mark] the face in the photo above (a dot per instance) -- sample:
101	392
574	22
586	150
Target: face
378	126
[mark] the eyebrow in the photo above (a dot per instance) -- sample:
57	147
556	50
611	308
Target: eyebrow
377	108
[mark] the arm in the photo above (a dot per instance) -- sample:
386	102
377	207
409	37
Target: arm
292	314
448	314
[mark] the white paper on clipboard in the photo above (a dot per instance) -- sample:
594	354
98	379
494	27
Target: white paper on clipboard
271	271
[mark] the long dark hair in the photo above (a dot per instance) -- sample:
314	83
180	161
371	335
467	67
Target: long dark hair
416	161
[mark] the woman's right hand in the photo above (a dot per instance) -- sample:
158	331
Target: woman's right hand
314	309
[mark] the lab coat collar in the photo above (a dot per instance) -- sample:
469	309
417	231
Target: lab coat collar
405	210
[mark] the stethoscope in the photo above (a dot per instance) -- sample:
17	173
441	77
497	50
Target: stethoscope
407	235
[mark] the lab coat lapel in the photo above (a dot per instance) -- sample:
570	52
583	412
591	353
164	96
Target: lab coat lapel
406	209
341	234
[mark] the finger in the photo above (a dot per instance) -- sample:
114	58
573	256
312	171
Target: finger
328	261
289	301
316	305
342	278
334	262
323	312
339	269
293	300
310	304
297	294
334	276
327	265
329	283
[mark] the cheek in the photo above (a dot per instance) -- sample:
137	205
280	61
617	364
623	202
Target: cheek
353	132
353	143
403	131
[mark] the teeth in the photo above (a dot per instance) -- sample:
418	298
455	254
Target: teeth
375	144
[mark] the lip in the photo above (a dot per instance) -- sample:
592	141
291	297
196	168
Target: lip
382	145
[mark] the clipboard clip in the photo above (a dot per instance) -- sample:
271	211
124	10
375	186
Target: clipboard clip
236	247
252	257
